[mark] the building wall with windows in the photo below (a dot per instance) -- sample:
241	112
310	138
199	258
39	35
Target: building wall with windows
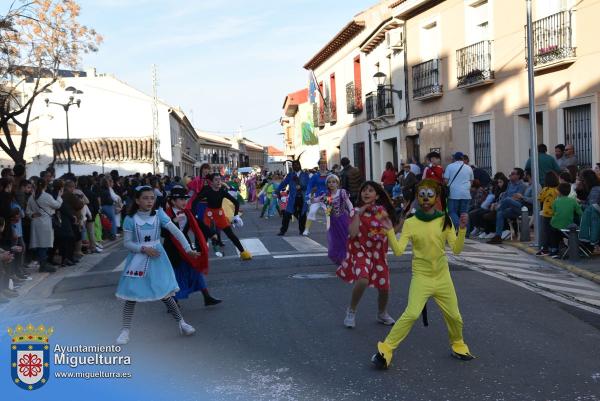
468	79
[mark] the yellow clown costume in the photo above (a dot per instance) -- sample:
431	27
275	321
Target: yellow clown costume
429	232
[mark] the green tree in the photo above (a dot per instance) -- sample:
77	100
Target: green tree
38	38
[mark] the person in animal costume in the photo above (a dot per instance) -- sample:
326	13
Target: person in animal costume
189	272
296	181
429	230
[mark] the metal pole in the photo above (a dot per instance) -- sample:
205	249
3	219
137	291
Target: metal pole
532	126
68	140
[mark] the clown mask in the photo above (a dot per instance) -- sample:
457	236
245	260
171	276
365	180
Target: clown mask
427	197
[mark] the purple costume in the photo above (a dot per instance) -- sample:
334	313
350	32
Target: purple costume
338	209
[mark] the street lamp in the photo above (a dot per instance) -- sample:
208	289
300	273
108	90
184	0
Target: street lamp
380	78
72	101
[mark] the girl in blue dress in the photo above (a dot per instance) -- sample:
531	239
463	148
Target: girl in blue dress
148	274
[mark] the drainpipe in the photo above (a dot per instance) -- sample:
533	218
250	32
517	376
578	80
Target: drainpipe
372	129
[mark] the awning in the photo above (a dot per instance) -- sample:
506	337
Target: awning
107	149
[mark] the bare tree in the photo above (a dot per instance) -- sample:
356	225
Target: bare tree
38	38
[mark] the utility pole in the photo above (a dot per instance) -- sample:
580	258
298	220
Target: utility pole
532	125
155	132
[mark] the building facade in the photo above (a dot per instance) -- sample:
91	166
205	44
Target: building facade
407	77
468	86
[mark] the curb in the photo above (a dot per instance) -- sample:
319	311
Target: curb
559	263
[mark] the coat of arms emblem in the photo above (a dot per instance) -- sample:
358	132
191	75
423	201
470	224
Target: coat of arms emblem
30	355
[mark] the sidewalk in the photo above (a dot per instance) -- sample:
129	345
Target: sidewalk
87	262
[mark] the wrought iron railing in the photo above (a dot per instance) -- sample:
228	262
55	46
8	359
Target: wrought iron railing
474	63
332	111
370	105
426	79
379	103
322	115
353	98
552	38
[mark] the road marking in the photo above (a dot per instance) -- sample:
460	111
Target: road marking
559	281
304	244
298	255
590	301
570	290
120	266
485	262
254	246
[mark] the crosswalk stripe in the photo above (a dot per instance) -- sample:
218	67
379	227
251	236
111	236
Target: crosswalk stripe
590	301
572	291
559	281
304	244
485	262
298	255
518	270
254	246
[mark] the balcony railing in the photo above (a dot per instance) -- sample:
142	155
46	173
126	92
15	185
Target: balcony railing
371	105
426	80
353	99
315	114
322	116
379	104
332	112
553	40
474	64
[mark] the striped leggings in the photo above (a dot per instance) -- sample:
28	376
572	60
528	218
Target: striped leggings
129	307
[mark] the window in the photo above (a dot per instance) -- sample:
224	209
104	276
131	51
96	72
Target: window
430	41
477	21
549	7
482	145
332	99
357	84
359	157
578	132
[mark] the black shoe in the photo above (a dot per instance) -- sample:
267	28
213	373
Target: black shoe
47	269
67	262
462	357
209	301
379	361
52	262
281	233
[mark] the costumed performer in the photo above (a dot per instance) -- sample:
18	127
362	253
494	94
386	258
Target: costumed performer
429	230
366	259
189	272
296	181
214	216
316	191
148	274
339	211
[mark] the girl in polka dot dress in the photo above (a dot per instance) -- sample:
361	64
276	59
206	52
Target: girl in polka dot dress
366	263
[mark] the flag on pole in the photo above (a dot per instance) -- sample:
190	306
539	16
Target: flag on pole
313	86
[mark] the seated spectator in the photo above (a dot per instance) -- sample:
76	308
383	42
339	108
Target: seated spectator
564	209
566	178
547	197
588	192
483	218
510	205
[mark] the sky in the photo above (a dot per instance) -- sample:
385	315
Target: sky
225	63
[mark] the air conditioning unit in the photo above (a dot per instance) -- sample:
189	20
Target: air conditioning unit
394	39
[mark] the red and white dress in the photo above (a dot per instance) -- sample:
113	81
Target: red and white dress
367	253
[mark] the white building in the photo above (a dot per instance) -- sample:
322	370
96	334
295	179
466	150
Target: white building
112	128
358	115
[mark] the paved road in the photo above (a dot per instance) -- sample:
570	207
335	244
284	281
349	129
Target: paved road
278	335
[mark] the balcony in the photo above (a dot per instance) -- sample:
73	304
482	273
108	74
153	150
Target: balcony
379	104
553	41
426	80
322	116
474	65
332	112
353	99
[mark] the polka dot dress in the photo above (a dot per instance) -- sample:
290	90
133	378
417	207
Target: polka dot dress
366	254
